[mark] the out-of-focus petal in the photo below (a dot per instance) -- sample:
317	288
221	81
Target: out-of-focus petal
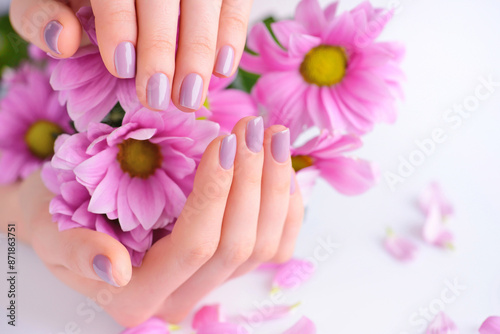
442	324
490	326
303	326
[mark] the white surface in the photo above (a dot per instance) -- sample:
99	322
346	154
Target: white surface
360	289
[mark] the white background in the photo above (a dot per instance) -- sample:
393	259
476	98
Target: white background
361	289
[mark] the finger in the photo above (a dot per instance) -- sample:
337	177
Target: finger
87	253
275	197
293	224
239	227
156	51
196	53
49	24
116	27
194	239
233	26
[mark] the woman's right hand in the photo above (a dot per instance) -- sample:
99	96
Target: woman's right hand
243	211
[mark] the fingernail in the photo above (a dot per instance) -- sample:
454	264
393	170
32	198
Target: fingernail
254	135
51	35
125	60
292	182
191	91
225	61
227	151
280	146
103	269
157	91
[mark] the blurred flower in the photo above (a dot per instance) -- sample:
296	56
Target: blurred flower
293	273
141	172
442	324
433	195
434	231
86	86
326	70
206	315
226	106
152	326
399	247
31	118
324	153
490	326
69	206
303	326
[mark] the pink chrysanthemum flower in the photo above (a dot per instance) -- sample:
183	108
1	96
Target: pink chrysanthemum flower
141	172
31	118
86	86
226	106
324	156
327	70
69	206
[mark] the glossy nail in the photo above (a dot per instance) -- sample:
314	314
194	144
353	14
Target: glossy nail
225	61
254	135
280	146
125	60
227	151
51	35
103	269
157	91
191	91
292	182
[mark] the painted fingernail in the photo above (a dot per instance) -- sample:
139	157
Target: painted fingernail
157	91
292	182
254	135
191	91
225	61
280	146
125	60
227	151
51	35
103	269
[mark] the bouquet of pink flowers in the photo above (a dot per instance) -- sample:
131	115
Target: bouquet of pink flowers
124	170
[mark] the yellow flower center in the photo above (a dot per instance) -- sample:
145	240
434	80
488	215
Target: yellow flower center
206	104
324	65
139	158
40	138
301	161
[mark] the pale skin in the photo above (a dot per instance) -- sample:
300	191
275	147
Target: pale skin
205	28
252	218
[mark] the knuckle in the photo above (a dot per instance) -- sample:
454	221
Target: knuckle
201	253
161	42
202	45
120	14
237	253
236	21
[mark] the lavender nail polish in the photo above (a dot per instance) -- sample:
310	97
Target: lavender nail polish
227	151
157	91
191	91
51	35
292	182
125	60
280	146
103	269
225	61
254	135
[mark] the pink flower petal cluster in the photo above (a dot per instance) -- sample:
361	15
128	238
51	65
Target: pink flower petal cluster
168	144
327	70
30	120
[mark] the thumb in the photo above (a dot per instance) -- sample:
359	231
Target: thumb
49	24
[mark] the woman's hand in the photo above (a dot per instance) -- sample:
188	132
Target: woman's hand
245	209
211	39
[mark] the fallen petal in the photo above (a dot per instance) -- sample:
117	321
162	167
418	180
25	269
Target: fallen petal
303	326
442	324
490	326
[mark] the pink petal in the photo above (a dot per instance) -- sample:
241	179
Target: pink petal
222	328
302	44
310	14
433	195
442	324
293	273
490	326
306	179
207	315
104	198
128	221
433	231
284	29
146	198
303	326
92	171
399	247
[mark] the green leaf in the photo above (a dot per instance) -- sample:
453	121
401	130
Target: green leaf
244	81
13	49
